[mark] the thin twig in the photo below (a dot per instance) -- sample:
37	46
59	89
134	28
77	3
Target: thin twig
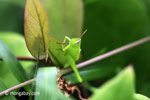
17	86
24	58
83	64
114	52
108	54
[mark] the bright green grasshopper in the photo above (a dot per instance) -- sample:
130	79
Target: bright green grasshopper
66	54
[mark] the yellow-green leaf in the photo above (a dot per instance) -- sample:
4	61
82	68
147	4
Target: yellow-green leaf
36	28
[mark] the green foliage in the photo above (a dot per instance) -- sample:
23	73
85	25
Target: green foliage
8	37
6	75
7	97
19	3
13	23
12	63
66	18
46	85
119	88
112	23
140	97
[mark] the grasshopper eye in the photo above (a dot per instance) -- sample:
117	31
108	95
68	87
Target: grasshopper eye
77	42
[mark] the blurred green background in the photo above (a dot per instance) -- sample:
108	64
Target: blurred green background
110	24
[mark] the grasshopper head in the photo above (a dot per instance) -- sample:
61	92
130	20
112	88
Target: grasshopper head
75	41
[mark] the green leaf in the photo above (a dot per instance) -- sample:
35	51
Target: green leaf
8	37
66	17
46	85
36	27
140	97
5	73
93	72
12	63
5	97
119	88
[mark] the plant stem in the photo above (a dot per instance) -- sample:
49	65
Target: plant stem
88	62
114	52
17	86
24	58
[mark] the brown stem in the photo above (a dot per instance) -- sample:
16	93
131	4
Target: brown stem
24	58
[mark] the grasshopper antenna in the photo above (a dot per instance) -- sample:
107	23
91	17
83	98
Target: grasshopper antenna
83	34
